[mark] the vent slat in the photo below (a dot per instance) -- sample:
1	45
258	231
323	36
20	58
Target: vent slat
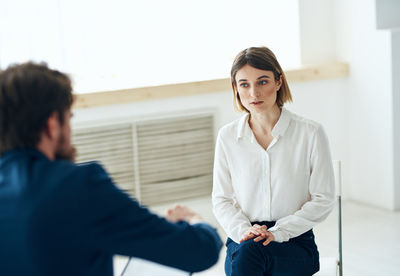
174	158
160	168
105	158
177	161
152	152
171	191
175	139
168	175
178	183
113	140
175	124
176	128
104	134
103	153
101	128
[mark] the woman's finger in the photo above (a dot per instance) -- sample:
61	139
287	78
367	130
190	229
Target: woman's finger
258	233
260	226
264	234
246	237
269	239
259	238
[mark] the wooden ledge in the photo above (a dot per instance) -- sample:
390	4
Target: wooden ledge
304	73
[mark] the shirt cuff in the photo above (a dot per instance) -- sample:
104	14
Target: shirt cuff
279	235
237	236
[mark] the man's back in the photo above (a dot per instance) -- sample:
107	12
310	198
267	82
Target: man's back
58	218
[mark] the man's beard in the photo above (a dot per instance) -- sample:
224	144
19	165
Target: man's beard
65	150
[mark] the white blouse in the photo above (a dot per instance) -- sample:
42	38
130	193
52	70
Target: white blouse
291	182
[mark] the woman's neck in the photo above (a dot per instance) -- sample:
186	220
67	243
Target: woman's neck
265	121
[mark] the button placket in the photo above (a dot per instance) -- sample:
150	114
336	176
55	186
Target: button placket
268	176
267	171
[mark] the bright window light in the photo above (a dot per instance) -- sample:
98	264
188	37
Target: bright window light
107	45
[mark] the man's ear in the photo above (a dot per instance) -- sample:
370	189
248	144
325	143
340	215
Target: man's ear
53	126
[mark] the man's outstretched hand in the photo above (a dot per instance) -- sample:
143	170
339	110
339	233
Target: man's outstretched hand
179	213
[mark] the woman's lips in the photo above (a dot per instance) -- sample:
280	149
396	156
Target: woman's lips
257	102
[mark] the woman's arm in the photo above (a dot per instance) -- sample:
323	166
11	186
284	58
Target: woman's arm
226	209
321	189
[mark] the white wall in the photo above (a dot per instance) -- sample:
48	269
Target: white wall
387	14
322	101
346	30
357	112
387	17
319	100
324	96
110	45
316	31
220	103
396	114
369	128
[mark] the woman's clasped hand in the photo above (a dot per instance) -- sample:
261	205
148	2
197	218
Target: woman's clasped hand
259	233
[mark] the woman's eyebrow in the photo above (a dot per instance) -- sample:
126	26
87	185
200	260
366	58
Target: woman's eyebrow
263	76
260	77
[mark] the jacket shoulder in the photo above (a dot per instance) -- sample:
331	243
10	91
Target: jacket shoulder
70	172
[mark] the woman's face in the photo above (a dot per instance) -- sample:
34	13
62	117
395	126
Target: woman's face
257	88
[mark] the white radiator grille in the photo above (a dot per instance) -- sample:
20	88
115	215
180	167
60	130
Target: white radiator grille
154	160
112	146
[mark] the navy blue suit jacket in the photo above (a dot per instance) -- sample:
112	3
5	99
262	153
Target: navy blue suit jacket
59	218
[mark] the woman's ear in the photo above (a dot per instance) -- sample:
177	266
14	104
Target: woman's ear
279	83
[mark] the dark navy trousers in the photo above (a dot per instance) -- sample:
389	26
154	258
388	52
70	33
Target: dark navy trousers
297	257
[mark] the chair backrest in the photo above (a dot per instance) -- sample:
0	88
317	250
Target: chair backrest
334	265
337	168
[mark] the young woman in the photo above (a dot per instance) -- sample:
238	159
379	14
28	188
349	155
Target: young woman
273	175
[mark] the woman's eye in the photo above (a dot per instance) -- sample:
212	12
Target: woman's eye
244	85
263	82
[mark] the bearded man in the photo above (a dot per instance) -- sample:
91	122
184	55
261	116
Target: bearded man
62	218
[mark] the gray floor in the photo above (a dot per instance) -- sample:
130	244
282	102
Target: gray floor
370	239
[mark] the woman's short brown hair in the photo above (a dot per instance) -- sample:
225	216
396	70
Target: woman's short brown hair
264	59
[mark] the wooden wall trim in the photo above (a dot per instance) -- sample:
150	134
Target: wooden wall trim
304	73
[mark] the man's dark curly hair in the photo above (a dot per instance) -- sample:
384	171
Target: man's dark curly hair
29	94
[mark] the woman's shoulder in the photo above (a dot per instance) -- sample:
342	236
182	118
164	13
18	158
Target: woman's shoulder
233	127
303	122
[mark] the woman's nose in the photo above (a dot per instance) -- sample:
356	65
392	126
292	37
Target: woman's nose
254	92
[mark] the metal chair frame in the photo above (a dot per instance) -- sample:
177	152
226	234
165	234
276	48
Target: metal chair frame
338	181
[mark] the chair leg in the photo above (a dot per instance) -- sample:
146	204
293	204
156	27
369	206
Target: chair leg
340	263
